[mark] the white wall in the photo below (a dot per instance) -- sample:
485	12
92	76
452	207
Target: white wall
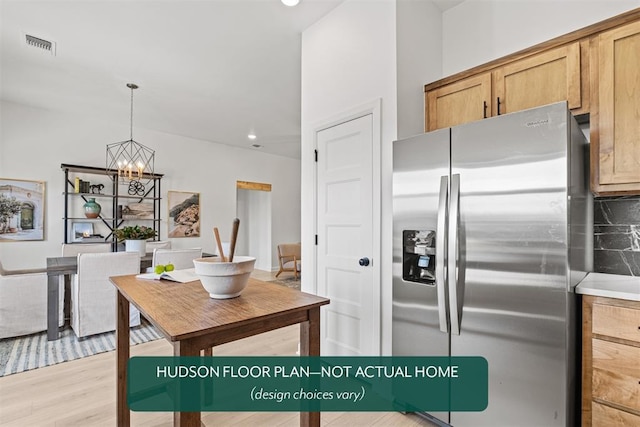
34	142
478	31
349	59
419	60
254	211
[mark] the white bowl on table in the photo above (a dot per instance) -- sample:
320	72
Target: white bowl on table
224	280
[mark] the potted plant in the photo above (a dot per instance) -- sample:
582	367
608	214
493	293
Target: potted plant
135	237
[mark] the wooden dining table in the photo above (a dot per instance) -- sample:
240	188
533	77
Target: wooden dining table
65	266
192	321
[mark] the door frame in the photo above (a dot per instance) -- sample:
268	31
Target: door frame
374	108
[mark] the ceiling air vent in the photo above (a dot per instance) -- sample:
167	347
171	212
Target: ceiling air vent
39	43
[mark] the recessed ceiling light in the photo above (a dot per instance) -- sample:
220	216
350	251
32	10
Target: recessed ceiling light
290	2
252	136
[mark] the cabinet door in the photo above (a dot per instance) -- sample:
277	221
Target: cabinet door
541	79
460	102
615	128
617	322
606	416
615	373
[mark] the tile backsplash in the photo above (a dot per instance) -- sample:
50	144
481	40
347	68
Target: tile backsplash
616	229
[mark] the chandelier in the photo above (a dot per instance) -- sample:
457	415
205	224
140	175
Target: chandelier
132	160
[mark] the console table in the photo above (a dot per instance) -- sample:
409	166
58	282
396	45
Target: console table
191	321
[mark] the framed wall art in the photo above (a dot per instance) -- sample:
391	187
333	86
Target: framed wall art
138	211
184	214
22	210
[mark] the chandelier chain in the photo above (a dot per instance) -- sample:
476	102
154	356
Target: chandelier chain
131	130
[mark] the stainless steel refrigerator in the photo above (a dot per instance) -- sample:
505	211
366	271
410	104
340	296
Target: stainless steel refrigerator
492	231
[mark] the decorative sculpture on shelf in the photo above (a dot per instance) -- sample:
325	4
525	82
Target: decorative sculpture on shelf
136	188
96	188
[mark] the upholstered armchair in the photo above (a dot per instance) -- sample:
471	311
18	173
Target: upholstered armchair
23	302
93	296
289	258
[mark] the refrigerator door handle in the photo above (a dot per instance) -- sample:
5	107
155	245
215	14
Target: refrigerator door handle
455	297
441	250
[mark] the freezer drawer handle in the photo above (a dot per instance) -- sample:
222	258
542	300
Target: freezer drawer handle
364	261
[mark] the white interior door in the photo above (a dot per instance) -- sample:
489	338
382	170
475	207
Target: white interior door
345	237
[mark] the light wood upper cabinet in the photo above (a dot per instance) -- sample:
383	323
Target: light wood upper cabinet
460	102
541	79
615	118
596	69
544	78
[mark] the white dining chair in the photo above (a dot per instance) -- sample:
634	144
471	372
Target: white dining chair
73	249
180	258
93	296
159	244
23	302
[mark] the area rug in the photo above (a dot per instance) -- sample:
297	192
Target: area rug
288	281
34	351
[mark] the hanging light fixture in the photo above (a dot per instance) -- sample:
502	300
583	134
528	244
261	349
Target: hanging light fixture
132	160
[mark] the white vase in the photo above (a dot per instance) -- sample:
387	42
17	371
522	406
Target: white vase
136	246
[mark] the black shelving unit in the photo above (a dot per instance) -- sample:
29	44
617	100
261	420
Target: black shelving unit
114	195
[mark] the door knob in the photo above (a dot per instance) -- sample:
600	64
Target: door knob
364	261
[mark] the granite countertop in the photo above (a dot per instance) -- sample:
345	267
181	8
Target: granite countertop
610	286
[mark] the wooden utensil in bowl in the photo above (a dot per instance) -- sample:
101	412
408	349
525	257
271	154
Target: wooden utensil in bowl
219	243
234	237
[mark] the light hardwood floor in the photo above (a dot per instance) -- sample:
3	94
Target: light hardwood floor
83	392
